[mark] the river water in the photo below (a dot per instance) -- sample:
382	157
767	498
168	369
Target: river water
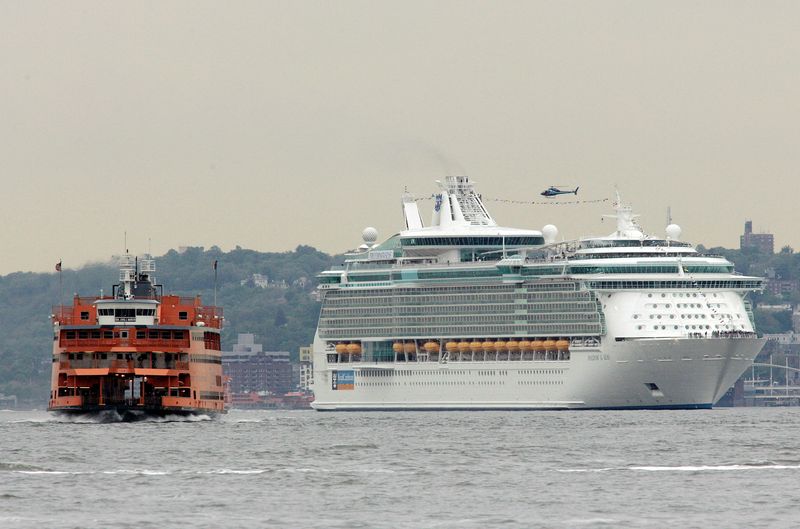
709	468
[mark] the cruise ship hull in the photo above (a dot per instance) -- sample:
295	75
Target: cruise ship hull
684	373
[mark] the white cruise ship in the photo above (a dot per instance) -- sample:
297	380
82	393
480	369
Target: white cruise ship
465	314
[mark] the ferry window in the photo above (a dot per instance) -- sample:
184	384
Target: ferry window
103	356
84	315
125	313
140	335
119	356
165	335
177	335
153	335
95	334
83	335
183	315
123	334
70	335
108	335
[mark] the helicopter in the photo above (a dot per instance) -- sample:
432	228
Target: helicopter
553	191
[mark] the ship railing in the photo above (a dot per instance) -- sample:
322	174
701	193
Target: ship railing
211	316
124	342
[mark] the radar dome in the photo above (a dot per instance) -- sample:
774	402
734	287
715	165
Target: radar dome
673	232
550	233
370	235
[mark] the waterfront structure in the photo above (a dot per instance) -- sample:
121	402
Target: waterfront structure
764	242
305	357
466	314
252	370
137	352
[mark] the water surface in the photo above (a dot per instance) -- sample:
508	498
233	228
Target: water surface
719	468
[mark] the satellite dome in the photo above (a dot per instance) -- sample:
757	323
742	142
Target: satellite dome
550	233
673	232
370	235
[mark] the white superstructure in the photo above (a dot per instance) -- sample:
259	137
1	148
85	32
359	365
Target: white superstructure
465	314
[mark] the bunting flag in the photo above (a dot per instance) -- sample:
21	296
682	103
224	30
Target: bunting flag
58	266
526	202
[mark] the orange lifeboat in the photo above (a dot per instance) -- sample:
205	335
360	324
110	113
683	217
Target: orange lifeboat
451	347
525	345
463	347
537	345
431	347
354	348
397	347
499	345
476	346
409	347
341	348
512	346
549	345
562	345
488	346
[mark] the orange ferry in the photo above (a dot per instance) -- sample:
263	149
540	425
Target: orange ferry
137	352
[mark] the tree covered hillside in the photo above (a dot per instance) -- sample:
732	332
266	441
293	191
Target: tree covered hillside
278	306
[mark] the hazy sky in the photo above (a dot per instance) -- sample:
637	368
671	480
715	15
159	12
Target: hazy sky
273	124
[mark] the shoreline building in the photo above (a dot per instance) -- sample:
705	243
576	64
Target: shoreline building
306	369
764	242
253	370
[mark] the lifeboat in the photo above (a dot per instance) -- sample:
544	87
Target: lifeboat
488	346
397	347
525	346
562	345
512	346
451	347
341	348
354	348
476	346
463	347
431	347
537	345
409	347
549	345
499	345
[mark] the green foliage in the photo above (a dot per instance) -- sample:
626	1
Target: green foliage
283	316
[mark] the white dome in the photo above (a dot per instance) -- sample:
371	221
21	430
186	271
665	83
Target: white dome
673	232
550	233
370	235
